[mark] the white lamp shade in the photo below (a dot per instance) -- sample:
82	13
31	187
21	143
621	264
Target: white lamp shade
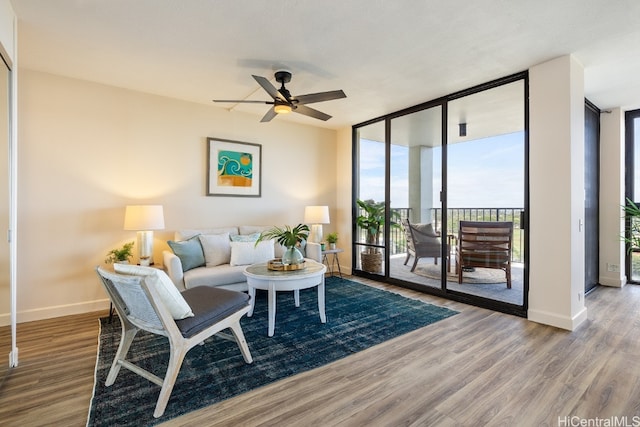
316	215
144	217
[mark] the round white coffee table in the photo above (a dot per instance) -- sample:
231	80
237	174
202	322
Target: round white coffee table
260	277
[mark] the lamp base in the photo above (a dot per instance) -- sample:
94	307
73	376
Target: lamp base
316	233
145	247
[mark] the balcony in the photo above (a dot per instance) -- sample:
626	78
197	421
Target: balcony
454	216
497	291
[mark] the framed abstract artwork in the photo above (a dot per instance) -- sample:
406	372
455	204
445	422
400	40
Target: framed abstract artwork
234	168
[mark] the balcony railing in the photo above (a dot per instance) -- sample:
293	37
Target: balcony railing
398	244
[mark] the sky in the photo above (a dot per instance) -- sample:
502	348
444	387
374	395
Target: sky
482	173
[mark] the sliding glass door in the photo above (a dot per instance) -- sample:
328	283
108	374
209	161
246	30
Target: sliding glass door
486	186
432	167
415	189
371	193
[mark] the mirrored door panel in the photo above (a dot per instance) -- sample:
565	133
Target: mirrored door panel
5	285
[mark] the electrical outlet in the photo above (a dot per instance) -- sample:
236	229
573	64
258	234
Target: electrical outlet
614	268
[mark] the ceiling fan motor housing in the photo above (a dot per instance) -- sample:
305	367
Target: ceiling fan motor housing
283	76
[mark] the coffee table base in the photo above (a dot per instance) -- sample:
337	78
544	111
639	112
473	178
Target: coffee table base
279	283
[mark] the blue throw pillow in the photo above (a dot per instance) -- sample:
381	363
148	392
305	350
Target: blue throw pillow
303	247
244	237
189	251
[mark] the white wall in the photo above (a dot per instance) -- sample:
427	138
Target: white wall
612	161
556	158
7	38
344	173
87	150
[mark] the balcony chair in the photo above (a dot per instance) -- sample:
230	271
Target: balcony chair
423	242
485	245
147	303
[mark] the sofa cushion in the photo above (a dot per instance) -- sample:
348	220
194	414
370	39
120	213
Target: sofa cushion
245	253
189	251
169	294
221	275
216	248
186	234
252	229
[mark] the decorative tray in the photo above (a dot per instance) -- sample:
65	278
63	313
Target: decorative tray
277	265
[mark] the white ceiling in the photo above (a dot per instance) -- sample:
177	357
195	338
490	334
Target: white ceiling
385	55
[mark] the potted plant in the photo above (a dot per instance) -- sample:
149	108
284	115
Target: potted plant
372	221
290	238
121	255
632	226
332	239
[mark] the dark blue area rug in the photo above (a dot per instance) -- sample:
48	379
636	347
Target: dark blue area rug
358	317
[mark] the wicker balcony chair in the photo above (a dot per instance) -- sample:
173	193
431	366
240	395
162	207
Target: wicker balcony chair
423	242
141	304
485	245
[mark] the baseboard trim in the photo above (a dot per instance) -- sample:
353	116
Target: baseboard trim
614	283
58	311
562	322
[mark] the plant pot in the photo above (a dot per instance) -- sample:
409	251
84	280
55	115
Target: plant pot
371	262
332	246
292	256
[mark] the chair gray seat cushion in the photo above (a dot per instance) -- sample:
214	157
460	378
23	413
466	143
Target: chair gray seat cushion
209	306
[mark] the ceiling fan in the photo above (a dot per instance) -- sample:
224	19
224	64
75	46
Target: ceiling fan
284	103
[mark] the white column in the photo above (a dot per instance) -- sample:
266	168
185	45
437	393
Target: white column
556	158
421	183
612	165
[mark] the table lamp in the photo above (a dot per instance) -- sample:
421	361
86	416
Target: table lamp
144	219
316	216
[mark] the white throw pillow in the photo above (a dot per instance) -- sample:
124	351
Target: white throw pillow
169	294
216	248
245	253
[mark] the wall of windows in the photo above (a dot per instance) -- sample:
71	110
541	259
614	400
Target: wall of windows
459	158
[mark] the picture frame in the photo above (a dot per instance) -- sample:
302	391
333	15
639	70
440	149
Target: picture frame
234	168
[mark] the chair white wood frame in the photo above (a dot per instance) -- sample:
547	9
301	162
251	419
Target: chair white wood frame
139	307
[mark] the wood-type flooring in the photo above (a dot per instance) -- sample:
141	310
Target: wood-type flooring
478	368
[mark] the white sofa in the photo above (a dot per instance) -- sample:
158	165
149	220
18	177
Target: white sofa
224	263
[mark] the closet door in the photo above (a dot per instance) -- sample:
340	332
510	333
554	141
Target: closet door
592	195
5	282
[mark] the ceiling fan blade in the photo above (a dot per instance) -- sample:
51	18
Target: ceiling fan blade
270	115
238	101
319	97
271	89
307	111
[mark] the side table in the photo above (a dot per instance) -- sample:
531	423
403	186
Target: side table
335	261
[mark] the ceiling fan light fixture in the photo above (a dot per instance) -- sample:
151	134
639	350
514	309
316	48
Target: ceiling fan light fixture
282	108
284	103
